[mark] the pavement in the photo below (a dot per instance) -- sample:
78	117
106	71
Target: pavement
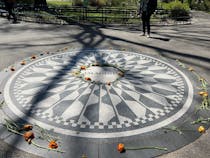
188	43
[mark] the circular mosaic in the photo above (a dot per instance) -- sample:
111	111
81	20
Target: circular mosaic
124	94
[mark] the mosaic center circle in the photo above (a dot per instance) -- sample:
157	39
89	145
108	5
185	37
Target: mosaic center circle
151	94
101	74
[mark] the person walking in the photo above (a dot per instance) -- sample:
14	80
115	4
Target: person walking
147	8
10	5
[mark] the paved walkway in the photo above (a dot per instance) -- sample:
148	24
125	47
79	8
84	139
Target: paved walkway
189	43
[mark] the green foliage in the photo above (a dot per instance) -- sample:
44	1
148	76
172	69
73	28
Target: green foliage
25	1
59	3
177	10
98	3
175	5
200	4
118	2
78	2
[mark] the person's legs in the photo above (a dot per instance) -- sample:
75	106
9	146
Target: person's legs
10	9
14	16
148	25
143	22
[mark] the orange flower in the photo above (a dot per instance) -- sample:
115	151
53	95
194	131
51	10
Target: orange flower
201	129
121	147
27	127
23	62
190	69
83	67
33	57
87	78
53	144
12	69
28	136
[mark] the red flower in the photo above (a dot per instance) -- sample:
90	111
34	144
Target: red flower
87	78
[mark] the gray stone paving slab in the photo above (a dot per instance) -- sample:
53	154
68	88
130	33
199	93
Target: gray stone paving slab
106	38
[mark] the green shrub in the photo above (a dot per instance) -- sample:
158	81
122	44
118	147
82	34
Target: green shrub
200	5
25	1
78	2
177	9
98	3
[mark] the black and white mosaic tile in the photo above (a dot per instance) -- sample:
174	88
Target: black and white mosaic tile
151	94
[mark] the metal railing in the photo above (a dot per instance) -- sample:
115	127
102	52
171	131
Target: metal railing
72	14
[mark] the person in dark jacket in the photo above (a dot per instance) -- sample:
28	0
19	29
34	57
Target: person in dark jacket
147	8
10	5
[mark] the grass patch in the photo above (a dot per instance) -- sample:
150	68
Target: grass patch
59	4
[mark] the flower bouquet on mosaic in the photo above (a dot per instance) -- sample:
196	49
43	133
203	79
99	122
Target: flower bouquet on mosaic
31	133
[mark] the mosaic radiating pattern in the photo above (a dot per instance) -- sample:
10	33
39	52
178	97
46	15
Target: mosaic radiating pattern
151	94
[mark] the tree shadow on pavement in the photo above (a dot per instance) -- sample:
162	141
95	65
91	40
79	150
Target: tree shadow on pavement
92	37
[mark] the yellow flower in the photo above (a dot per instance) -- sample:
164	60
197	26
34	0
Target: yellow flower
201	79
201	129
204	94
190	69
201	93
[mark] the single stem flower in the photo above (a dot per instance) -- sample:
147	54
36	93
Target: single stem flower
53	144
87	78
201	129
27	127
28	136
22	63
121	147
33	57
83	67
